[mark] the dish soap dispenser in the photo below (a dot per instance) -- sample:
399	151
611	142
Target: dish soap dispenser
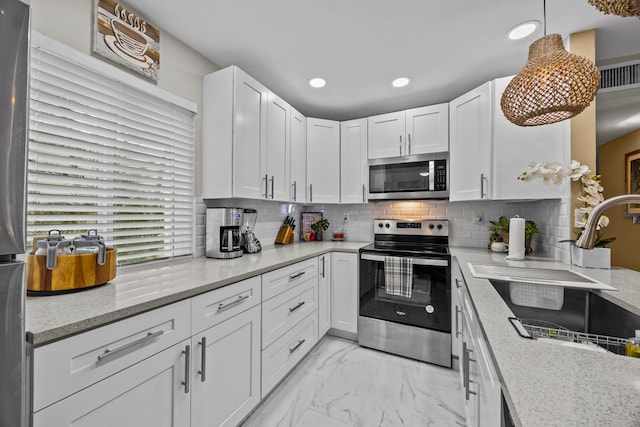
633	345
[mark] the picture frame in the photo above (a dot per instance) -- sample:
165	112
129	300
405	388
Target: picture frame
632	180
125	38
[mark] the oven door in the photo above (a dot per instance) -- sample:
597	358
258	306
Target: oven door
429	303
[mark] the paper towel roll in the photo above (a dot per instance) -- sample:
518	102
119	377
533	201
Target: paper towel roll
516	238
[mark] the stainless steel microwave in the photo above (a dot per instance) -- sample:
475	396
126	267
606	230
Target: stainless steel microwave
422	176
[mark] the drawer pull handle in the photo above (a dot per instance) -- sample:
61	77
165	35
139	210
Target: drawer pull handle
297	346
295	276
187	368
127	348
203	354
232	303
292	309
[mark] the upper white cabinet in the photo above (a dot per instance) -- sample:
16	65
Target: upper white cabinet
298	157
353	161
403	133
487	152
246	137
323	161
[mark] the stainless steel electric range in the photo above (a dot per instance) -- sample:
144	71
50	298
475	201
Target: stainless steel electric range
405	291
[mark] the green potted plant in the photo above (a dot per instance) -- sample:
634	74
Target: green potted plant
320	226
501	227
530	228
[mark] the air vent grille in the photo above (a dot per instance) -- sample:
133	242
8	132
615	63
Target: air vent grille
623	75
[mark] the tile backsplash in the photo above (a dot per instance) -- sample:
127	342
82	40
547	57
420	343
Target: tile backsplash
552	217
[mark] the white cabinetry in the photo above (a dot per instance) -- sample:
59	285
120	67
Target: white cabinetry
323	161
324	294
132	372
353	161
487	152
344	292
225	374
481	385
298	157
245	133
456	308
403	133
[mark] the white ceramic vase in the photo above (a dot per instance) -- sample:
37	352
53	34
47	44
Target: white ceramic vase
591	258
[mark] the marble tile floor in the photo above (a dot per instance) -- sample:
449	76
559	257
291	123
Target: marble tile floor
340	384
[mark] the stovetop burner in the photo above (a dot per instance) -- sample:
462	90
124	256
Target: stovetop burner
411	237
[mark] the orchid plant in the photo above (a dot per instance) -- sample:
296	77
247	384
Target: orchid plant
556	173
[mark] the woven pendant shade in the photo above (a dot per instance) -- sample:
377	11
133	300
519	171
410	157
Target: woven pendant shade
554	85
617	7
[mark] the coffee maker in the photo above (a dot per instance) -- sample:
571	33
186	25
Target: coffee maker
250	242
223	232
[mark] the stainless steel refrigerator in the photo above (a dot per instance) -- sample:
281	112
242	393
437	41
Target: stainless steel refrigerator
14	72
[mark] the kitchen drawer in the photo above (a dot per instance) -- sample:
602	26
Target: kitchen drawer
284	311
281	356
221	304
64	367
278	281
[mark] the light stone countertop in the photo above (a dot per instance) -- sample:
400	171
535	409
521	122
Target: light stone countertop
140	288
551	385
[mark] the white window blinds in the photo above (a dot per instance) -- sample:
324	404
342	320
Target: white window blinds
108	156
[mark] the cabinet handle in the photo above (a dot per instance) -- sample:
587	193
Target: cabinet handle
364	190
187	368
458	286
266	186
297	346
300	304
127	348
458	311
232	303
295	276
295	191
322	267
482	194
273	179
409	144
310	193
401	145
467	352
203	356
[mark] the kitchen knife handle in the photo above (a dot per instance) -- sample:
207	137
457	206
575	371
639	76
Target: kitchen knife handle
187	368
203	356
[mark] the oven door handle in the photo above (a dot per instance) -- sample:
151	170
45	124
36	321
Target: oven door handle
416	261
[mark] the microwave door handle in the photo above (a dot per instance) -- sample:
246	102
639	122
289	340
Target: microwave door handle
416	261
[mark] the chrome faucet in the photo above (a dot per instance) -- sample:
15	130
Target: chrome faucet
588	238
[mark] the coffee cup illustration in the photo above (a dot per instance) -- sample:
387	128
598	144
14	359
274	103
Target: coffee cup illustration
130	40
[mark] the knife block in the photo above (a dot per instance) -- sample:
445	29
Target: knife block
285	235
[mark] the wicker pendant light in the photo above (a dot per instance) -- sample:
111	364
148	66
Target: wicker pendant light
617	7
554	85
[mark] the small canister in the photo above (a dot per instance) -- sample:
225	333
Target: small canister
91	243
53	245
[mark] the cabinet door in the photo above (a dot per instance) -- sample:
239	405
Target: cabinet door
353	161
470	145
323	161
298	180
250	130
277	148
456	307
324	295
148	394
386	135
344	292
226	371
515	147
427	129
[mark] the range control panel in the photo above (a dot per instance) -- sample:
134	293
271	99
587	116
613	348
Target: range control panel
421	227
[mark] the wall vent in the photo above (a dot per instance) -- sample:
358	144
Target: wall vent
620	76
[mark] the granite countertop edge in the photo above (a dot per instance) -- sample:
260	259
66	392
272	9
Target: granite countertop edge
141	288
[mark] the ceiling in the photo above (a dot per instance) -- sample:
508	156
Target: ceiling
445	47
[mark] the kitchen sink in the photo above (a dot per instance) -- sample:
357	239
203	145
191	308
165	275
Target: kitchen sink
568	315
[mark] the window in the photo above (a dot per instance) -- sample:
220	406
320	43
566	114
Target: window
108	155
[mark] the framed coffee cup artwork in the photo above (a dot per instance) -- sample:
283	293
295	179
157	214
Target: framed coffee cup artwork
632	180
125	38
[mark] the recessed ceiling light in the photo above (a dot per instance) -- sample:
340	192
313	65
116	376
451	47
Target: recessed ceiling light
400	82
523	30
317	82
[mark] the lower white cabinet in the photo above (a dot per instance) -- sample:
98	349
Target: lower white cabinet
324	294
225	377
481	385
456	308
151	393
344	292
